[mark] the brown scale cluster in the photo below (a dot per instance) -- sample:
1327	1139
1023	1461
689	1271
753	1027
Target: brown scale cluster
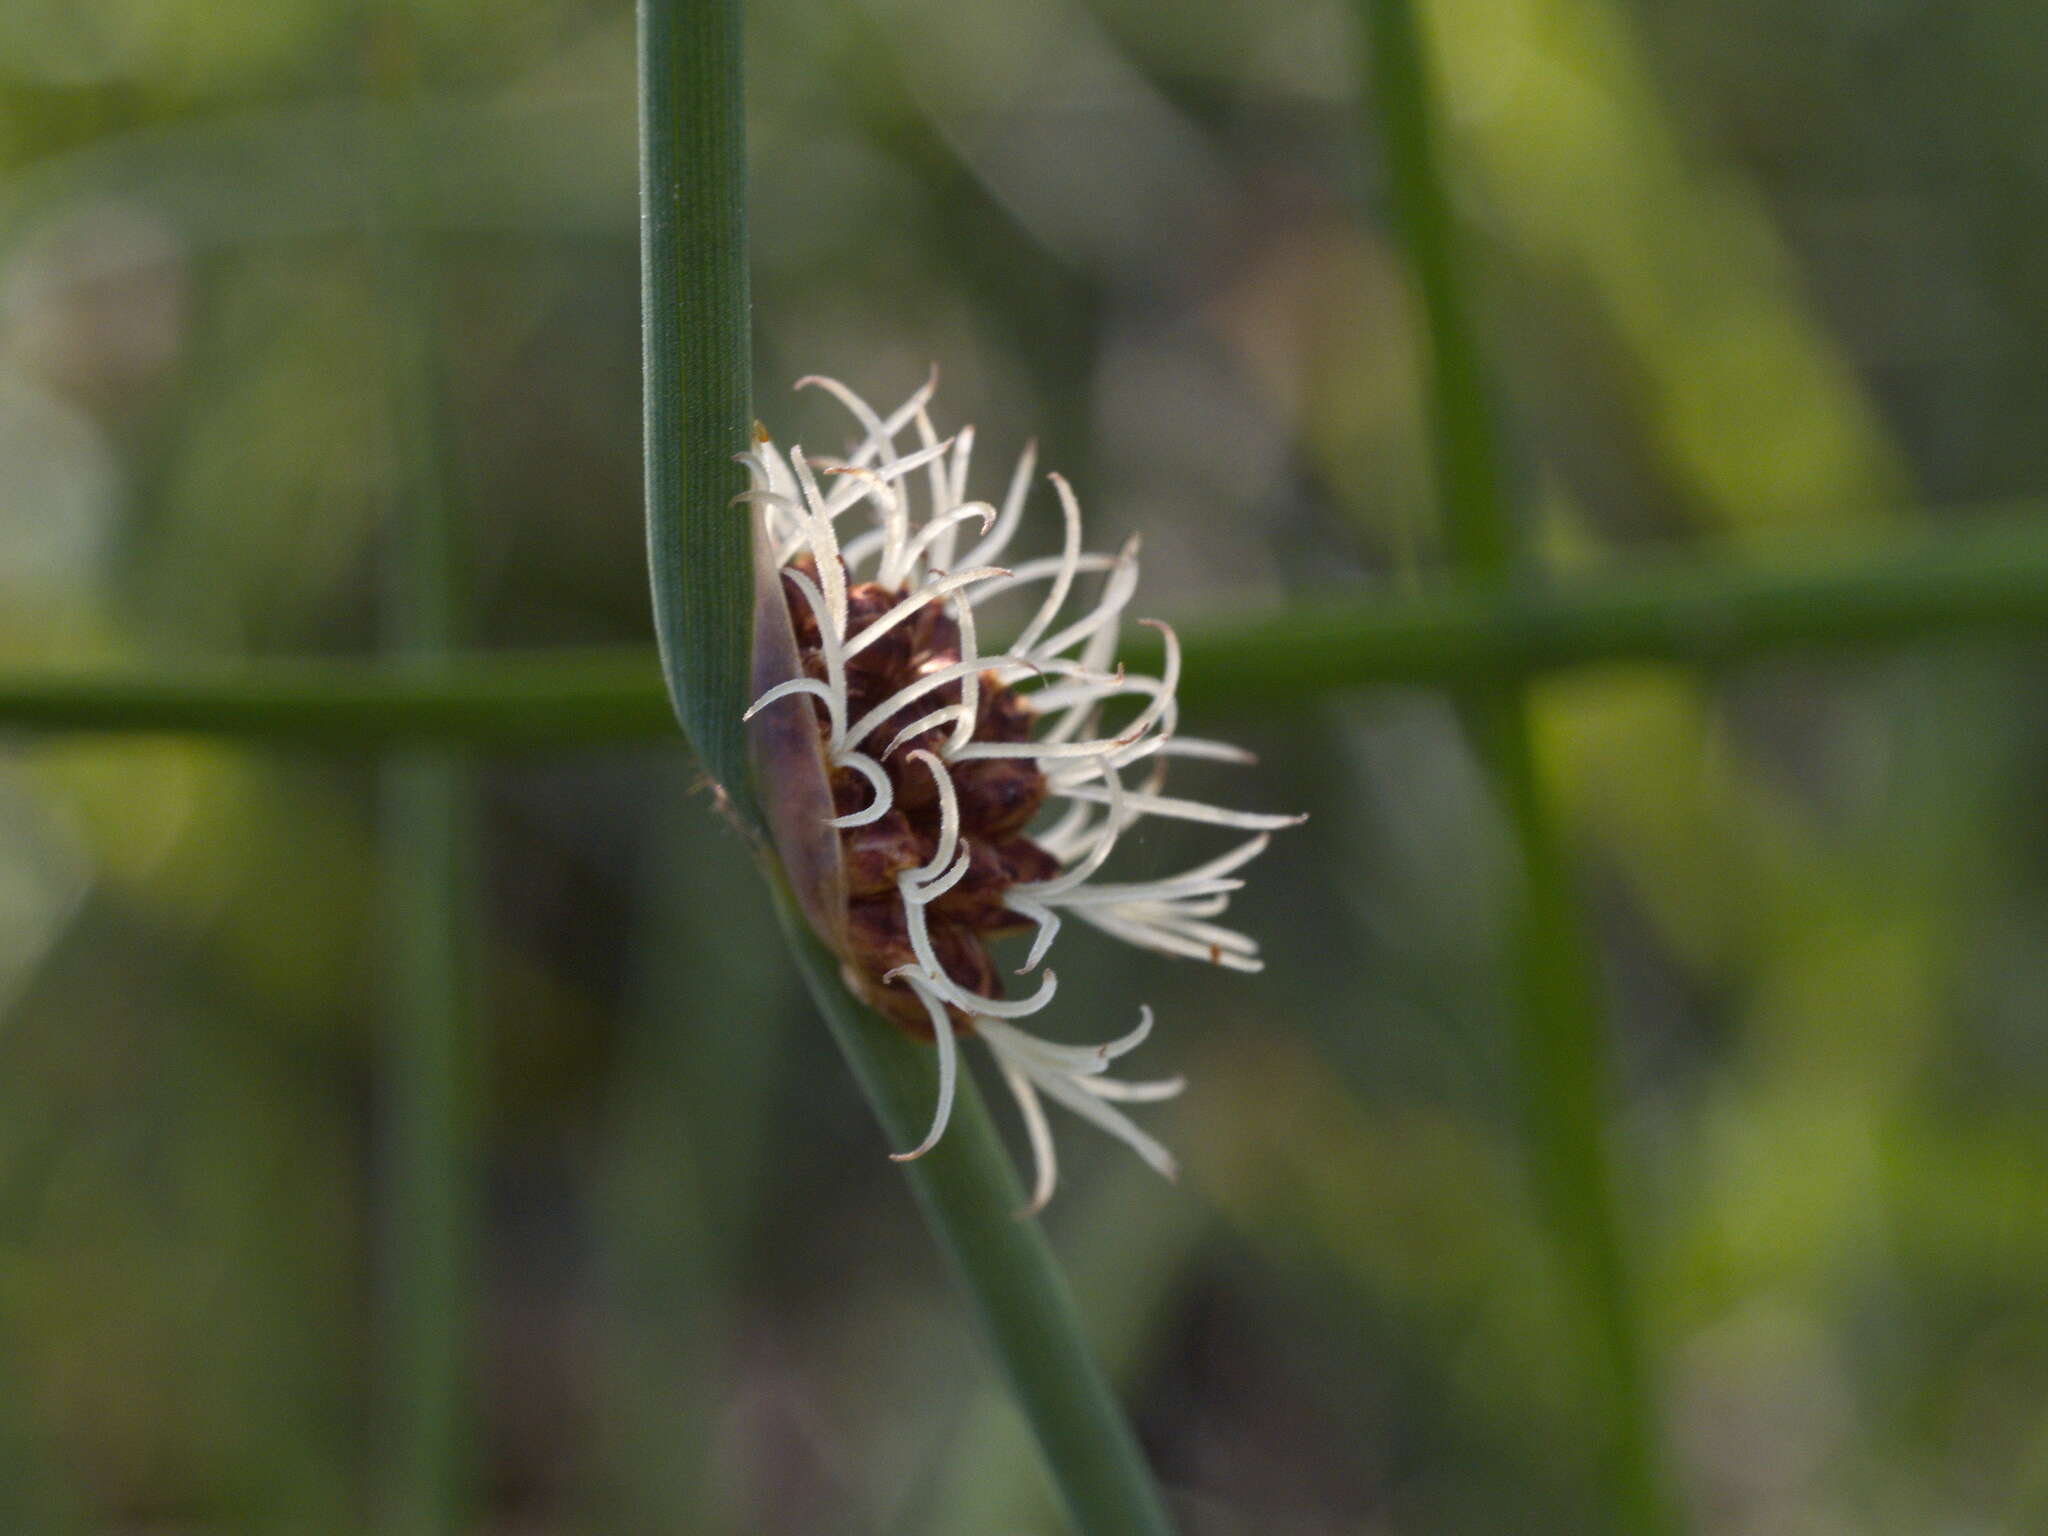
997	797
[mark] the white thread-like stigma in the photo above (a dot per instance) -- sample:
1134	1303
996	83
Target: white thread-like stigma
1081	745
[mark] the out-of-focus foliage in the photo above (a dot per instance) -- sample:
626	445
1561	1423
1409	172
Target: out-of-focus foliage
1751	273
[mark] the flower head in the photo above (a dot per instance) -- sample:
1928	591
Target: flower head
979	792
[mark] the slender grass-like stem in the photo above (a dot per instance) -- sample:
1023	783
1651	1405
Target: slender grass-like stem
1562	1040
428	858
689	1132
697	365
694	292
1967	583
968	1190
430	1165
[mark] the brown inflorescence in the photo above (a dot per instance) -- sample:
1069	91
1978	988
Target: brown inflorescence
997	799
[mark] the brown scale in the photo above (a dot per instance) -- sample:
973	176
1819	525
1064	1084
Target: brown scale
998	797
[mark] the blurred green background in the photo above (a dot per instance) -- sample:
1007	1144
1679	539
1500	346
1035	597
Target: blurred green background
1757	278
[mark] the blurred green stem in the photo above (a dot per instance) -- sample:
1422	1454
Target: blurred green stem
1963	582
1562	1035
971	1199
430	1170
428	858
688	1128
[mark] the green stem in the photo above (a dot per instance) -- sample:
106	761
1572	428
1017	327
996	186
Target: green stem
695	293
689	1124
1985	584
697	360
1481	537
967	1188
428	860
431	1163
495	699
1561	1034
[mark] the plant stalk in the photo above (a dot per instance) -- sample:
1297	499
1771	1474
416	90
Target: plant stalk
968	1190
1986	585
428	858
1561	1034
697	361
694	279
